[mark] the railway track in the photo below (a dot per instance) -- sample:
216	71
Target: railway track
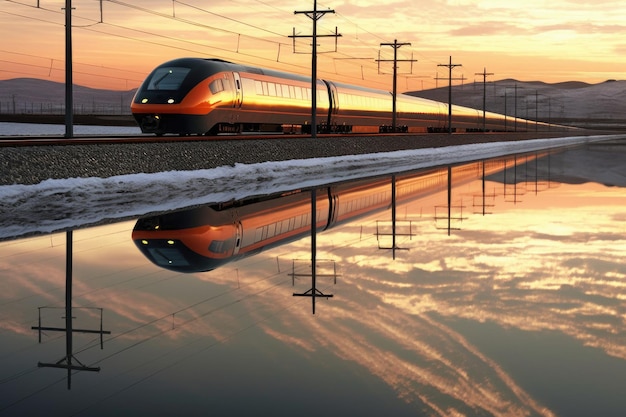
32	160
109	139
473	137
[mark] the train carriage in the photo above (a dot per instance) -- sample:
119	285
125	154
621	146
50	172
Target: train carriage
209	96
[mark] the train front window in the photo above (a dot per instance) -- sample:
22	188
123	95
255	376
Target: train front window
168	78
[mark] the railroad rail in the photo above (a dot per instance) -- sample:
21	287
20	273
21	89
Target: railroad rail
48	140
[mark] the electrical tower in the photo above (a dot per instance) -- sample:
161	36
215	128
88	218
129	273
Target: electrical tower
69	89
484	74
395	45
515	87
314	15
450	66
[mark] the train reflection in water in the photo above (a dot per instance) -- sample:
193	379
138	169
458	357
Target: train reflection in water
204	238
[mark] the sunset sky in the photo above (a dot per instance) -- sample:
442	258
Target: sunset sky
116	43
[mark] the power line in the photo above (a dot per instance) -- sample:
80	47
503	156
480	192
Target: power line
173	16
229	18
450	66
152	34
301	68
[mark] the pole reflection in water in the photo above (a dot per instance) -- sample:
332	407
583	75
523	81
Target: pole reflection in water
313	291
517	313
69	362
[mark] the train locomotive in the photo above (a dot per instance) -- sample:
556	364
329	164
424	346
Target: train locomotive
197	96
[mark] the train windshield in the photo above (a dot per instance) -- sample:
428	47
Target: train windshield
168	257
174	255
168	78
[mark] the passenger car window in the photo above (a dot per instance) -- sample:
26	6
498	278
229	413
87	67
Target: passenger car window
216	86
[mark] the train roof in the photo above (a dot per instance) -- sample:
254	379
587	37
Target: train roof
213	65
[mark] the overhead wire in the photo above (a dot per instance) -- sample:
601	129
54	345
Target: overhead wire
91	345
211	311
300	68
229	18
76	62
142	341
210	345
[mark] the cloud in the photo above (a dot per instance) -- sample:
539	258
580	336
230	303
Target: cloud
584	28
490	28
619	49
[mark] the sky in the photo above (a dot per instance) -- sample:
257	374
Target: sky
116	43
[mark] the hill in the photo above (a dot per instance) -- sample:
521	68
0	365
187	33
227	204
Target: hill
571	102
36	96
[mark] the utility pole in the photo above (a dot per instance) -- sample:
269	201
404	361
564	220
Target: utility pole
549	113
484	74
450	67
505	114
395	45
515	87
314	15
536	110
69	101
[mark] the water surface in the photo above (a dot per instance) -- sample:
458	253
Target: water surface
512	305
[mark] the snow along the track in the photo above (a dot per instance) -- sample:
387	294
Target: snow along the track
59	204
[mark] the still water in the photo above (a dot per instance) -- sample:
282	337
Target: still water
504	296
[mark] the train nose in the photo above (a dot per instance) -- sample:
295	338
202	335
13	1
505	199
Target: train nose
150	123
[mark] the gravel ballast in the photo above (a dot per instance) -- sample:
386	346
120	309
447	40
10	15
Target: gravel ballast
33	164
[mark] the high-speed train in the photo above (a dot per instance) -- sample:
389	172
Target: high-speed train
196	96
206	237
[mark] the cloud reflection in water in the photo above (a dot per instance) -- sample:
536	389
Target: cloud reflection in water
523	267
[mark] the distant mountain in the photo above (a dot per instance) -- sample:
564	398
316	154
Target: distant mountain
31	95
574	101
595	105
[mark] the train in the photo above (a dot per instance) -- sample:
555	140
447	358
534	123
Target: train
206	237
203	96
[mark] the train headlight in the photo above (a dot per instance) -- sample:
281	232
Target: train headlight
170	101
144	242
144	100
170	242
